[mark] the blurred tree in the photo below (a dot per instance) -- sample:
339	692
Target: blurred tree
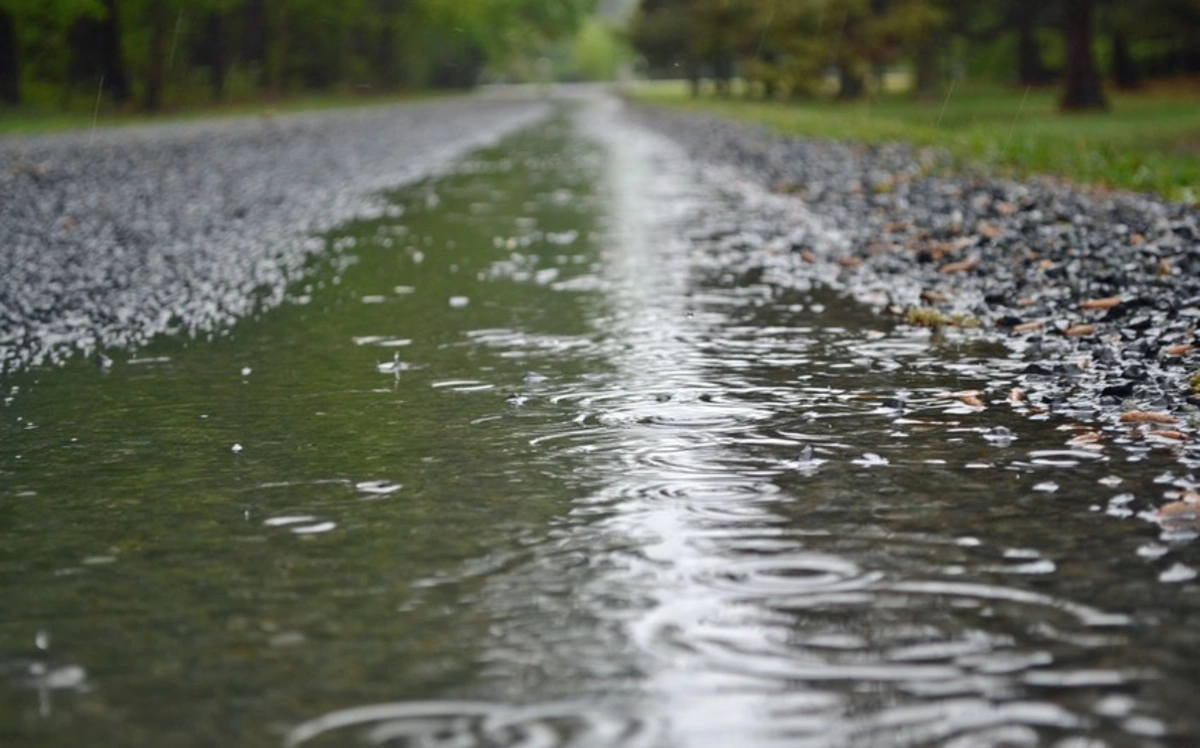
664	33
1081	78
10	68
170	52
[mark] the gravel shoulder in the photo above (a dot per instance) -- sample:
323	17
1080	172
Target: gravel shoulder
108	239
1097	293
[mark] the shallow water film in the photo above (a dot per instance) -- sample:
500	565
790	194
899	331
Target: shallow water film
560	452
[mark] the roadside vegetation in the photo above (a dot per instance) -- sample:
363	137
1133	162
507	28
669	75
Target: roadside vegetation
1149	141
74	63
1102	92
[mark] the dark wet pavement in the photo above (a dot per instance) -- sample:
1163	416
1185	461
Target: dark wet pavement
547	457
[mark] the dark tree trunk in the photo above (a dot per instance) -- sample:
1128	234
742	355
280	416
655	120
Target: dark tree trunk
253	47
1124	70
156	73
277	50
1031	71
693	76
10	66
723	72
385	53
215	53
1083	89
112	58
929	70
851	84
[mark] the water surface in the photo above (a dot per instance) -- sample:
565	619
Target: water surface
570	451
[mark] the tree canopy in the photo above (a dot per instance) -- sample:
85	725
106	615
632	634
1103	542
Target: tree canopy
153	53
797	47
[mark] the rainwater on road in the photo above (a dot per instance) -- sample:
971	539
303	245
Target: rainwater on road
557	454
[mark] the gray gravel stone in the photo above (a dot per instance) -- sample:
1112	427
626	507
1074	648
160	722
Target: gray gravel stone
1028	255
110	238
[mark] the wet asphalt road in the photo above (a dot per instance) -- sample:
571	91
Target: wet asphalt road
1099	292
110	238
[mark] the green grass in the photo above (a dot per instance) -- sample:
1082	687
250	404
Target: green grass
31	120
1148	142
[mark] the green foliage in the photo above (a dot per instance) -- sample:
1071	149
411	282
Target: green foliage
1147	143
183	52
597	52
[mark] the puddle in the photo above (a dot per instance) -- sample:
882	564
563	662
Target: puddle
562	451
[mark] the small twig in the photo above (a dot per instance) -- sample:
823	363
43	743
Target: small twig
945	101
1013	127
96	111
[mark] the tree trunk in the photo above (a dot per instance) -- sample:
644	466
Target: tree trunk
851	84
1124	70
156	72
216	53
112	59
278	50
254	37
1083	89
385	53
693	76
1031	71
10	67
929	70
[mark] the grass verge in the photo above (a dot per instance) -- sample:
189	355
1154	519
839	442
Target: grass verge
1148	142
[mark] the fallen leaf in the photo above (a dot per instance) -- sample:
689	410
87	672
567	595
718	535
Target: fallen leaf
1027	301
960	266
1164	267
934	297
1137	240
1036	324
1171	434
1179	350
1106	303
1087	437
850	262
1178	509
1005	209
989	230
1146	416
808	256
1077	331
972	399
1016	395
1046	264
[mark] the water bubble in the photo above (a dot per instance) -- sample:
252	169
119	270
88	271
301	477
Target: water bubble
236	448
458	302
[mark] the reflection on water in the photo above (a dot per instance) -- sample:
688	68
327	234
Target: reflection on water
571	451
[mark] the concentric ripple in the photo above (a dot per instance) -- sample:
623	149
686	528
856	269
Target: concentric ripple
474	724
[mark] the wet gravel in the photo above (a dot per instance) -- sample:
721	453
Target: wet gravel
108	239
1099	293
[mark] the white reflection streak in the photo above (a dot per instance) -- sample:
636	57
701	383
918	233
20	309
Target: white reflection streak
648	267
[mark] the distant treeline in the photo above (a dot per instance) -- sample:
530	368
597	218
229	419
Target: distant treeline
151	53
790	47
